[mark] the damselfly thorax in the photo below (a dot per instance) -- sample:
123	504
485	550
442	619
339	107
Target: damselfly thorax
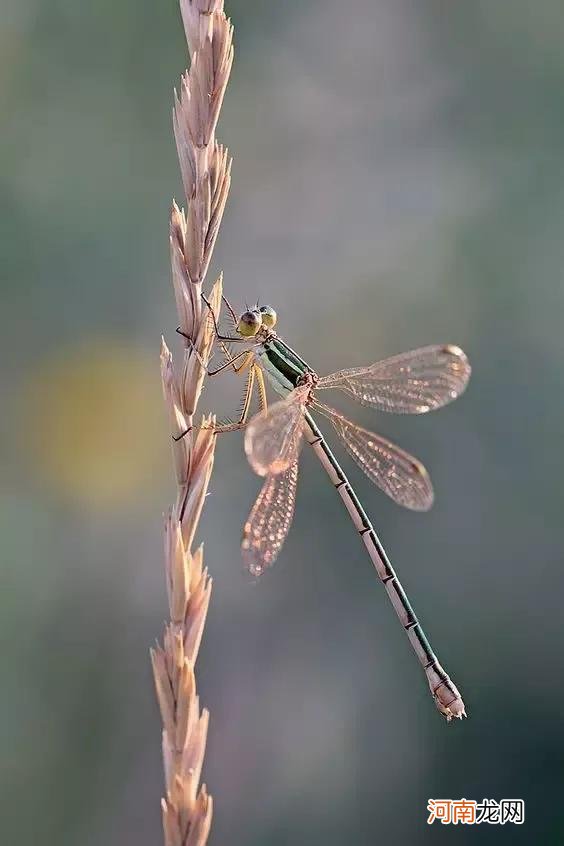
411	383
284	367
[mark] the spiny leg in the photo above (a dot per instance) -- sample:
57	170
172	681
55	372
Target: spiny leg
246	355
219	336
262	389
242	422
226	352
230	359
255	371
247	396
230	309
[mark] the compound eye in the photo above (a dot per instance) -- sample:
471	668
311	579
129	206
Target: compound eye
268	316
249	324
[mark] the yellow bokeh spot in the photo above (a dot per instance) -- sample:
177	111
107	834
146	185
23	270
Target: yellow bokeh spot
93	425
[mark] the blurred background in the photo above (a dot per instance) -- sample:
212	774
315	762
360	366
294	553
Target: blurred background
398	180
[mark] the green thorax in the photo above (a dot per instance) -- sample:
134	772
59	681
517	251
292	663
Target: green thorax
283	367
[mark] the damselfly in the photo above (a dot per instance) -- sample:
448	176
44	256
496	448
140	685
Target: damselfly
411	383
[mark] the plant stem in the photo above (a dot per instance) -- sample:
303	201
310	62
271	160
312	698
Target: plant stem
205	166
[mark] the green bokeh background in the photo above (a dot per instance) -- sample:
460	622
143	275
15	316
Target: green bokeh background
398	180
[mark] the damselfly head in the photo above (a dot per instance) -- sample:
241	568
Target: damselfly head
254	319
268	315
249	323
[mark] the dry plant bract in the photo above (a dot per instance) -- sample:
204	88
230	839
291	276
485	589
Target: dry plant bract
205	167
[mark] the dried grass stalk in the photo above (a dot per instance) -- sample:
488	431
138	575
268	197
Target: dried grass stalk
205	167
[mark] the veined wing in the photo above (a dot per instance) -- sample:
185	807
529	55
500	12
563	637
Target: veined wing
397	473
273	440
269	521
411	383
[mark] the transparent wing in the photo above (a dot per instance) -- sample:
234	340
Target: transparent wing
397	473
269	521
273	439
411	383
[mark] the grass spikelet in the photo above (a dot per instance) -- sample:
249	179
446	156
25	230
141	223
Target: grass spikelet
206	172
